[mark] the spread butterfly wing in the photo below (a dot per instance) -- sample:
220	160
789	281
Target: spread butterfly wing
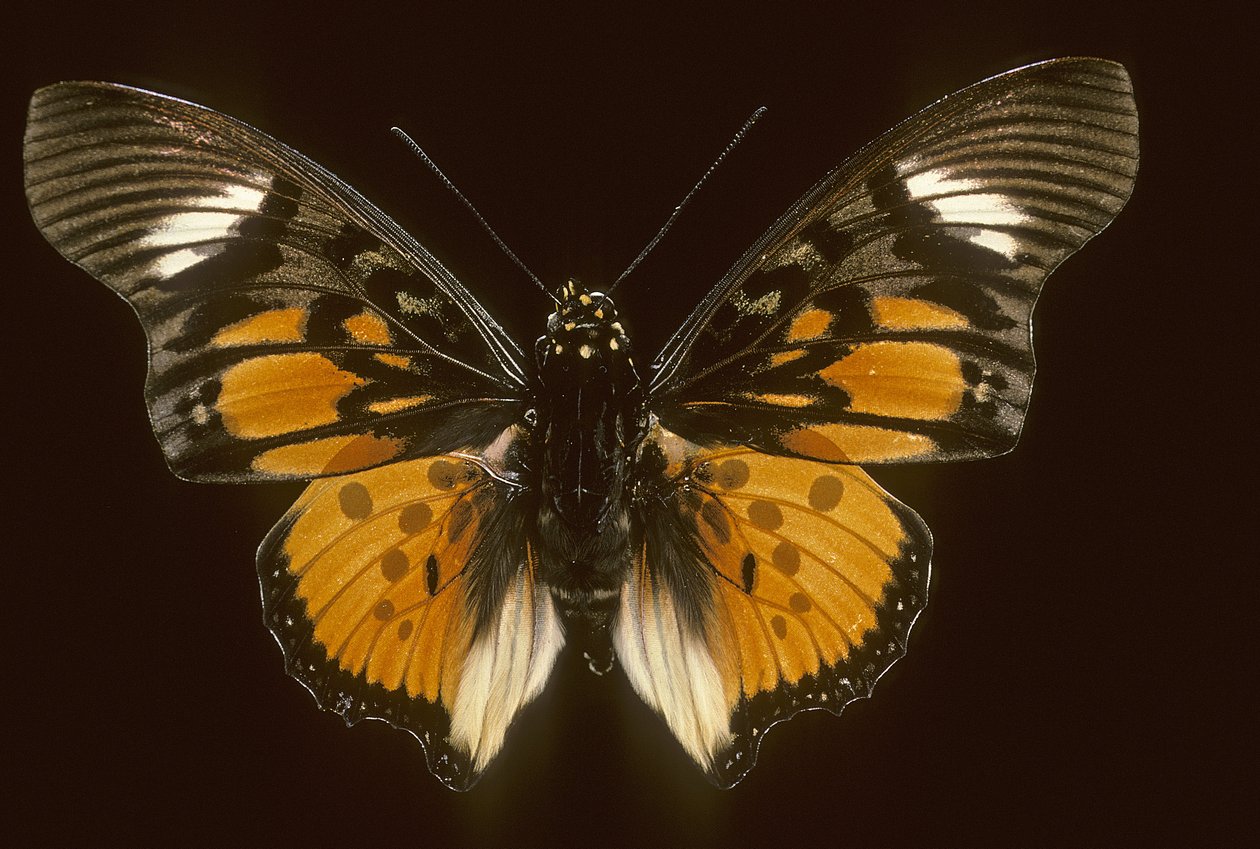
764	585
408	593
294	330
886	317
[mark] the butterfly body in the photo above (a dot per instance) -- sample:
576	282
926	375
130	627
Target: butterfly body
590	419
705	523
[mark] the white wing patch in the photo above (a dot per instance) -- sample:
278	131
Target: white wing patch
504	670
672	670
996	240
955	201
933	182
229	207
238	197
183	228
986	209
168	265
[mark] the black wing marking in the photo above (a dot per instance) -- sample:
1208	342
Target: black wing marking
886	316
294	329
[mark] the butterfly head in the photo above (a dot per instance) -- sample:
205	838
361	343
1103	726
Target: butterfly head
584	335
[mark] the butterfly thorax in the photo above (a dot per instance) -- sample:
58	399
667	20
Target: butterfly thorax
590	415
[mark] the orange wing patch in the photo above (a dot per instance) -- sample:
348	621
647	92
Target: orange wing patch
372	555
810	324
916	380
846	443
368	328
272	326
813	576
894	313
368	582
282	393
331	455
805	550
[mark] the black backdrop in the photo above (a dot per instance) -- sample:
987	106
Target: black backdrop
1067	683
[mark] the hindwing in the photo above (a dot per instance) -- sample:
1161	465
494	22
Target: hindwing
409	593
764	585
886	316
294	330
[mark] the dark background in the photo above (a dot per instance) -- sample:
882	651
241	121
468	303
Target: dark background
1082	673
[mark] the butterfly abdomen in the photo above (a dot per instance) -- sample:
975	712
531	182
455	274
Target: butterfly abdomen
590	418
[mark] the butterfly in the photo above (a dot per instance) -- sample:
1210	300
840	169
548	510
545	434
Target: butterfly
704	522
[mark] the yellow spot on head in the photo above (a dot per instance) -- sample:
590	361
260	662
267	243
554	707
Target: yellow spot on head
584	299
367	328
586	351
559	348
599	313
286	325
569	325
612	343
810	324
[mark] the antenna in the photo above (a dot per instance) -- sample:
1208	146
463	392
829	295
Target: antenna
669	222
427	160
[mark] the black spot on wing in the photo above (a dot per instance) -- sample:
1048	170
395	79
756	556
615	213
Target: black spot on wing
833	245
271	222
849	308
349	243
940	247
965	297
431	575
890	196
224	267
324	324
208	318
714	515
748	572
282	200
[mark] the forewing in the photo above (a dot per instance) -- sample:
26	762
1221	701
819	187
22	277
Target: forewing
294	330
887	316
408	593
764	585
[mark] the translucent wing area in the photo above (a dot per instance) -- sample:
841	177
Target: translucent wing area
886	317
764	585
294	330
408	593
